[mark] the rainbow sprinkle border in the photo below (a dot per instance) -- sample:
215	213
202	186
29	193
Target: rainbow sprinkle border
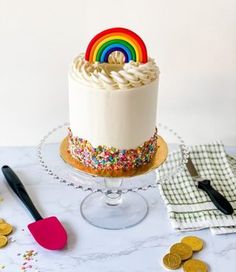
110	158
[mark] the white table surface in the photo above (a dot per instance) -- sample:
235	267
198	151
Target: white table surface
90	249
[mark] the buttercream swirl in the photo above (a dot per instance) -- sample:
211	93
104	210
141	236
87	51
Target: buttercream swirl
115	74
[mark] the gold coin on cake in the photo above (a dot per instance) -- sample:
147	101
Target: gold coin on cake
172	261
3	240
5	229
195	265
194	242
183	250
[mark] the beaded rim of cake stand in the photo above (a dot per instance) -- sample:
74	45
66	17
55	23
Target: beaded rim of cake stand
184	154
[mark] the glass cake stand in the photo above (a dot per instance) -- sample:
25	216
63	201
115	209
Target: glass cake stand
114	203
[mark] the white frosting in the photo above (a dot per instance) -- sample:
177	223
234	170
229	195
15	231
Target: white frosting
116	111
113	75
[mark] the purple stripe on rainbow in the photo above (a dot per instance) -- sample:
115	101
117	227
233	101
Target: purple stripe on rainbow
113	49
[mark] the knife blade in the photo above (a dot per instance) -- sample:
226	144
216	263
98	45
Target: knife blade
192	170
217	198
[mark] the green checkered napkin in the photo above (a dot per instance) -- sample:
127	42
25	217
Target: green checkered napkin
189	208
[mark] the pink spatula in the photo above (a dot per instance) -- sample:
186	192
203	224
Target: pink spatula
48	232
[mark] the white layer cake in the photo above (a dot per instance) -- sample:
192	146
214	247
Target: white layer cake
112	105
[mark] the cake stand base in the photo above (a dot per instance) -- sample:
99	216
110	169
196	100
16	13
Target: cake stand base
113	210
114	203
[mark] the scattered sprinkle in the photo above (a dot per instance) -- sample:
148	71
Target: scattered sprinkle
11	239
110	158
29	256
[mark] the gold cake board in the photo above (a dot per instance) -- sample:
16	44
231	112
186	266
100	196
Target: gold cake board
159	158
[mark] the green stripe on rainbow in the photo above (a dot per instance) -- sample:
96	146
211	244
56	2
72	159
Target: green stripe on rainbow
114	44
116	39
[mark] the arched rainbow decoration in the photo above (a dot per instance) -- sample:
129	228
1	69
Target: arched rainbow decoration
116	39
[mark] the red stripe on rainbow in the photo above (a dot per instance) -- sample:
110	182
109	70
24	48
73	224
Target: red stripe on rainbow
115	39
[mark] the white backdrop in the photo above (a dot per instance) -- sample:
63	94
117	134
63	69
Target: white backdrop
194	43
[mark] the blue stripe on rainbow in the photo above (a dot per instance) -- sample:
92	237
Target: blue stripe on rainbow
116	47
121	39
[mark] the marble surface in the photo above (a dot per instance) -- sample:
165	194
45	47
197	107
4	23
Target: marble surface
90	249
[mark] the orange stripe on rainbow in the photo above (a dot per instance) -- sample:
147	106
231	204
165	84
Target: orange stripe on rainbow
116	39
97	45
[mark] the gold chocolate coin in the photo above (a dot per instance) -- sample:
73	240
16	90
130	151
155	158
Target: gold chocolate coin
195	265
3	240
2	221
5	229
194	242
183	250
172	261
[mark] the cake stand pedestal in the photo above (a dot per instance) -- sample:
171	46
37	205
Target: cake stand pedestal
114	203
114	210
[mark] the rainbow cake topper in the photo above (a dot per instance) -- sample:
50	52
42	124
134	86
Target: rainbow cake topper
116	39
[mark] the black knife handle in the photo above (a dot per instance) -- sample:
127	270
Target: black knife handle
218	199
19	189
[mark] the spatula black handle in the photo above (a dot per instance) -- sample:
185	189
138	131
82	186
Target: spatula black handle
19	189
218	199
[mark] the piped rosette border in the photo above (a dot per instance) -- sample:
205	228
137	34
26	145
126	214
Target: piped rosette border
115	58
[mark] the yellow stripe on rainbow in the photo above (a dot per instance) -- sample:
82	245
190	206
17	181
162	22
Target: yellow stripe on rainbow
121	36
116	39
